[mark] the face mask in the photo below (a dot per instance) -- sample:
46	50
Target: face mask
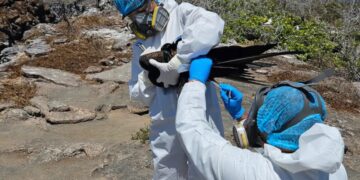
246	132
148	24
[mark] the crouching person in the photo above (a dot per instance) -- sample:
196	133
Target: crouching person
286	121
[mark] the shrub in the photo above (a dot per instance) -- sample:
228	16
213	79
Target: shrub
327	31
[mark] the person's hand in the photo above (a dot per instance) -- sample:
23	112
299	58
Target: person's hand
232	99
168	71
200	69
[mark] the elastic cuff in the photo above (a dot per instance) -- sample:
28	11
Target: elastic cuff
196	85
175	61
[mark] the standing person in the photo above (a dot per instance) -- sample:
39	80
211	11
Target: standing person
288	125
200	30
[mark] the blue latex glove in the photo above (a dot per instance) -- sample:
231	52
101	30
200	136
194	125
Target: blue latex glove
200	69
232	99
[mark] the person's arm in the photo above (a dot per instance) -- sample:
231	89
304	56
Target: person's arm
140	87
212	155
202	31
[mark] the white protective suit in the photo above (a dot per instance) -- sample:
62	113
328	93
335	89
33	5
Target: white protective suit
319	156
200	31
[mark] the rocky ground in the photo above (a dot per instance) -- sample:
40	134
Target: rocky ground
65	112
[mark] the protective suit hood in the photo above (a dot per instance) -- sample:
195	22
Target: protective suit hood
320	148
169	5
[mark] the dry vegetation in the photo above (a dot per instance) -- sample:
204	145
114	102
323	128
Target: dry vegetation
73	57
78	55
19	93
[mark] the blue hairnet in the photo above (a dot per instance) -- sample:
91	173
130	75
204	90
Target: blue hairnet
280	106
128	6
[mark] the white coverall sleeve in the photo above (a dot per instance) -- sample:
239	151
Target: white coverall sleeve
202	31
213	156
140	89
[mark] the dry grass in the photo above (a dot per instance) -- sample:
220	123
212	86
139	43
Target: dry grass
75	57
339	93
288	75
20	94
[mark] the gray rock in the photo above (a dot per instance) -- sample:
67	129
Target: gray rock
108	36
91	12
56	153
357	87
104	108
6	105
70	117
101	116
60	41
93	69
40	102
57	106
137	108
10	56
106	62
54	75
120	74
103	4
37	47
107	88
292	60
32	110
125	60
120	45
38	122
16	114
4	75
8	53
39	30
115	107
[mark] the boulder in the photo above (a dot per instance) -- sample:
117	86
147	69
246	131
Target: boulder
107	61
357	87
108	37
38	122
101	116
37	47
40	102
56	106
93	69
70	117
32	110
54	75
120	45
107	88
16	114
56	153
137	108
6	105
41	29
60	41
9	56
119	74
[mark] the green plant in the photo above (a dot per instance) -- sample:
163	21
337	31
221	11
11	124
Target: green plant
142	135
